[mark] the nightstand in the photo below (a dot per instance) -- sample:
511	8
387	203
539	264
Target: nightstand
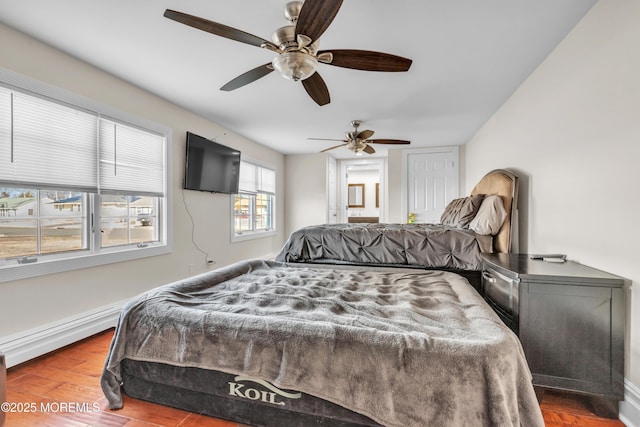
570	321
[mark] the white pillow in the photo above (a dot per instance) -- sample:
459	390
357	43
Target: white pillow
490	216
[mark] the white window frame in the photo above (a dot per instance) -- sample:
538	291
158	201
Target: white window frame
248	235
10	269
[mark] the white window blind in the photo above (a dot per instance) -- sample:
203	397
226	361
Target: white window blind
131	160
47	144
267	181
247	181
254	179
6	150
52	146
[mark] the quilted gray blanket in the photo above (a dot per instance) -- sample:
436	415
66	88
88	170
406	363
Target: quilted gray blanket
418	245
404	347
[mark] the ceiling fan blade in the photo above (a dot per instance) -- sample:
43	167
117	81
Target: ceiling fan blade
368	60
248	77
332	148
387	141
365	134
317	89
215	28
316	16
327	139
368	149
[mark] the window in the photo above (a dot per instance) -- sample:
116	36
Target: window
37	222
254	205
78	184
127	220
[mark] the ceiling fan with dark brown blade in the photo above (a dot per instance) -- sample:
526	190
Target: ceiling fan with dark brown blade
358	142
297	47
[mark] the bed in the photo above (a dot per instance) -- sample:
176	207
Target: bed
275	344
485	221
282	344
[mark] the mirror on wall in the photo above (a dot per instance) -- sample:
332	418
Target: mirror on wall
356	196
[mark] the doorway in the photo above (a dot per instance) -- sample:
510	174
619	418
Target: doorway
362	191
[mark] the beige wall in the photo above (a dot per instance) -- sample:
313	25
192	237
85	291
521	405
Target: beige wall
306	190
394	187
31	303
572	132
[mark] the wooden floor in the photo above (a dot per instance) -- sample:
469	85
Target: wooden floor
66	384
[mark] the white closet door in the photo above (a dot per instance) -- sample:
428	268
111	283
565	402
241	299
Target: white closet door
431	182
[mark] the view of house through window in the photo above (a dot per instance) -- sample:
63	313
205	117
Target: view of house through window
243	213
128	219
36	222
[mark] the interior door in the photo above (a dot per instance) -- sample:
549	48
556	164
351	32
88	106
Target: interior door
432	182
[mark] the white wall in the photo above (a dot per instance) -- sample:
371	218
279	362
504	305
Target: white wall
31	303
572	132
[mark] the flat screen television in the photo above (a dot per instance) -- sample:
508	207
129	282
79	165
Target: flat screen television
211	166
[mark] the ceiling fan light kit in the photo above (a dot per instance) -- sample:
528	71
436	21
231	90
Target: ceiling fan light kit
297	47
295	65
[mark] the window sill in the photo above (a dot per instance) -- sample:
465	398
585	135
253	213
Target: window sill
249	235
12	270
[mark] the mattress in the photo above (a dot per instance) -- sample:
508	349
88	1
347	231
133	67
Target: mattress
399	347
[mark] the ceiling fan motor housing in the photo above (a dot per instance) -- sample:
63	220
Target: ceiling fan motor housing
296	61
292	11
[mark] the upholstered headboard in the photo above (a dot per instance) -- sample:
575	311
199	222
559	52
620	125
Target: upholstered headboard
505	184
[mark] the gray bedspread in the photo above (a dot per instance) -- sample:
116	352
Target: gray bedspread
405	348
418	245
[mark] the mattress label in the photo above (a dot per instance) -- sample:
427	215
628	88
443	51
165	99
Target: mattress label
252	393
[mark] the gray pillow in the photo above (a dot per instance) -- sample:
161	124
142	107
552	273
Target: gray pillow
460	212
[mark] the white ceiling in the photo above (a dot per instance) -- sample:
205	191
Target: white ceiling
468	58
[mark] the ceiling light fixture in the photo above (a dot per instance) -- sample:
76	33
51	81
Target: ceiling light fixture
295	65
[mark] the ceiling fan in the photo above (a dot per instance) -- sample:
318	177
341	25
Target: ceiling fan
297	47
358	142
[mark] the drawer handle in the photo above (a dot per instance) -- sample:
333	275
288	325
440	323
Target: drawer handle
488	278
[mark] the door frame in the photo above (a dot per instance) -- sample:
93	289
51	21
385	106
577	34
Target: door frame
380	164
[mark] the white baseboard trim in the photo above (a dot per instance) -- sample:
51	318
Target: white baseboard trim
630	407
32	343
